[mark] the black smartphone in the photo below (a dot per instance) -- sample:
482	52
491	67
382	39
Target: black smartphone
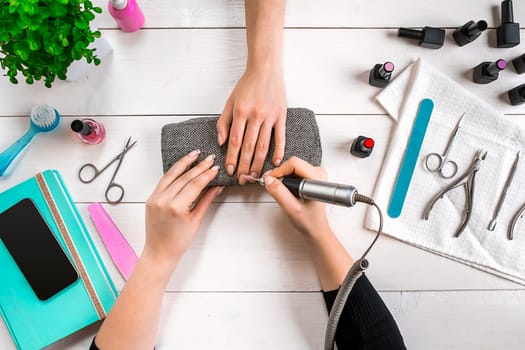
35	249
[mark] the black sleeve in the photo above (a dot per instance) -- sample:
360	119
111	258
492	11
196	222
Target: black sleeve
366	322
93	346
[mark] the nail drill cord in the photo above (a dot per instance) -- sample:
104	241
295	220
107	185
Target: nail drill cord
351	278
359	266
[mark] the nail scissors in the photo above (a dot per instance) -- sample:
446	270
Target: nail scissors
467	180
94	172
440	163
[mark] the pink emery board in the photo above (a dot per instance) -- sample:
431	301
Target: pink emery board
119	250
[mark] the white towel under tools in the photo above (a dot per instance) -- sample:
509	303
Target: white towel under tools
482	128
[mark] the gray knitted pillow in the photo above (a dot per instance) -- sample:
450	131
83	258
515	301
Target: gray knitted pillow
178	139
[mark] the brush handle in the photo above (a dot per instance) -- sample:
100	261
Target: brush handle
7	156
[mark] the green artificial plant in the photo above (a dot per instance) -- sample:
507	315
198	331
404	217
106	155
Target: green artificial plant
41	38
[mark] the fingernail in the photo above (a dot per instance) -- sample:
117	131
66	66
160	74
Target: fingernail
254	174
194	153
267	172
268	180
277	162
230	169
215	168
219	191
210	158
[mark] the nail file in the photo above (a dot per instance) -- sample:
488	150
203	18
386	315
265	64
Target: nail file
410	158
118	247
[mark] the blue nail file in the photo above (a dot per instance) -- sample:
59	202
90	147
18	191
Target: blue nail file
410	159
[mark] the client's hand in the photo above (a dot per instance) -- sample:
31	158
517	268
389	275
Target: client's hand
171	218
309	217
256	106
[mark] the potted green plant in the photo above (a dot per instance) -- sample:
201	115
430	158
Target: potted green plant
41	38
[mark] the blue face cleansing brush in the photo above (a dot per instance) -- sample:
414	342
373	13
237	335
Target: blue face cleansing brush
43	118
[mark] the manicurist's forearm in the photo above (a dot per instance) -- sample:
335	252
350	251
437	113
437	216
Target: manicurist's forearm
264	27
132	322
331	259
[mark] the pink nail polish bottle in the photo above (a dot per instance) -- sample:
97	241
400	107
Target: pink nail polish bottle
127	13
89	131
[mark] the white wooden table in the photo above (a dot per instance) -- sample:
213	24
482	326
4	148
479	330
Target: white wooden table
247	282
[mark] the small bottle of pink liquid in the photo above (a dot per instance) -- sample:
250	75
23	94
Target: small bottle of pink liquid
89	131
127	13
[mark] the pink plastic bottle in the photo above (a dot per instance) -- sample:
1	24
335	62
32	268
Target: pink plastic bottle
127	13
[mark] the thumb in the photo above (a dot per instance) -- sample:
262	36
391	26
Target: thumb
282	195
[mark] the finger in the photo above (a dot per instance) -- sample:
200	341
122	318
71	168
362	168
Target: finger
282	195
263	143
224	122
280	140
193	189
234	144
300	168
189	175
248	147
176	170
204	203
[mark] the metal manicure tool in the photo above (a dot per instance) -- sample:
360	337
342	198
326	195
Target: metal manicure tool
466	180
440	163
96	172
514	222
503	195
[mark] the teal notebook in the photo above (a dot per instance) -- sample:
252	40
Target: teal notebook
34	323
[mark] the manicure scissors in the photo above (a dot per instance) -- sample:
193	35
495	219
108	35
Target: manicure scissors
440	163
92	169
467	181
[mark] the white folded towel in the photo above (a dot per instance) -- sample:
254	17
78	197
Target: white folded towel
482	128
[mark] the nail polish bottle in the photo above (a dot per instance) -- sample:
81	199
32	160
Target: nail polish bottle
508	33
519	64
89	131
517	95
362	146
381	74
469	32
127	14
428	37
487	72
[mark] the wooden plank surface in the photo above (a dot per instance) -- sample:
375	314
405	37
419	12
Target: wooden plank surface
296	321
184	65
192	71
316	13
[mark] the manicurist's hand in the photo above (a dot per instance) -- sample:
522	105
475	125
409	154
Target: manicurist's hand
309	217
330	258
171	217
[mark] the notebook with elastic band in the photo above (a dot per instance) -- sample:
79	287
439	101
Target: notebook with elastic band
43	303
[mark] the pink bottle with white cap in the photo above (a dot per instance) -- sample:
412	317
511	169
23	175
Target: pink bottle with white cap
127	13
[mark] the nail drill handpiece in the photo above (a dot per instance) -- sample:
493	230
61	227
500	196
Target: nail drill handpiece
328	192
